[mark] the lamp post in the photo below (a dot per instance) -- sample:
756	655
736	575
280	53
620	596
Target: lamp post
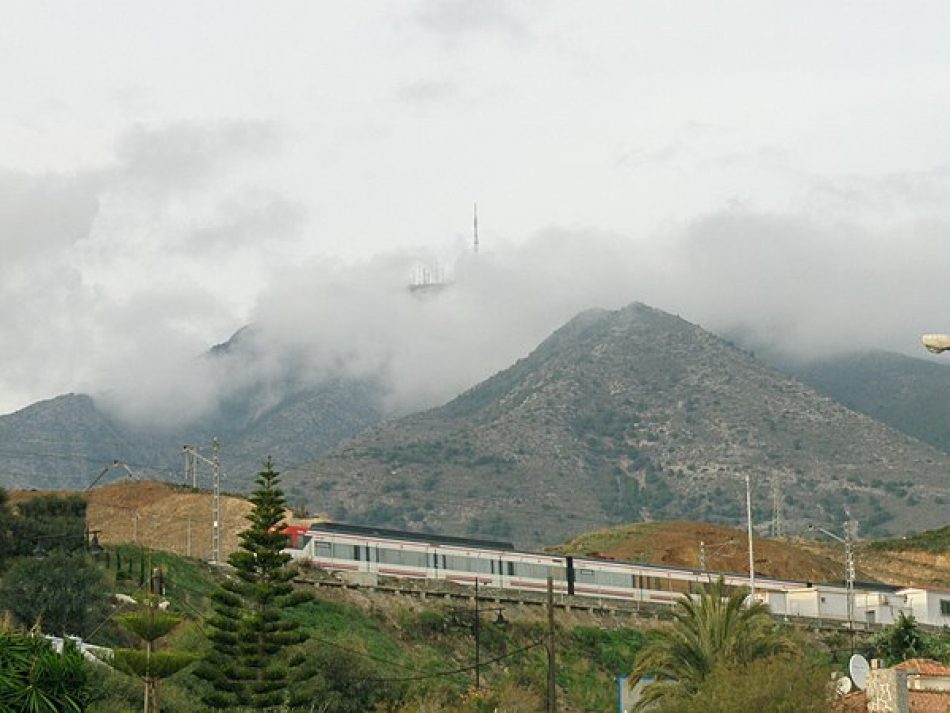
936	343
848	542
748	507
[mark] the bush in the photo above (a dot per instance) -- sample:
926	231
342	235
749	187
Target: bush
778	684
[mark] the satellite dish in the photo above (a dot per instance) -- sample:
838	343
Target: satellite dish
858	667
843	686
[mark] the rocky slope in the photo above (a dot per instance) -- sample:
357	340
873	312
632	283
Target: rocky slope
65	442
624	416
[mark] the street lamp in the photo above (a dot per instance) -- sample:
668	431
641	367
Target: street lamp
848	543
936	343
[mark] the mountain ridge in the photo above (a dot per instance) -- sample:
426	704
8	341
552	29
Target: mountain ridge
630	414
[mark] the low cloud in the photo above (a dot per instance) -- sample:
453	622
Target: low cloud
787	284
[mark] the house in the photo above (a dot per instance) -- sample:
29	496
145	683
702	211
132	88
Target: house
929	606
914	686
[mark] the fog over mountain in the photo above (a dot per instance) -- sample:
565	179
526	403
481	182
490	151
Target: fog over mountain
784	284
771	173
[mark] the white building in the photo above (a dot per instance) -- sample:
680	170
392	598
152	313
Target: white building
929	606
830	603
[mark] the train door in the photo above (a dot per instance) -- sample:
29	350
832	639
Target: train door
366	556
435	562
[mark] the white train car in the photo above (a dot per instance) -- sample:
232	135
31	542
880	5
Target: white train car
377	551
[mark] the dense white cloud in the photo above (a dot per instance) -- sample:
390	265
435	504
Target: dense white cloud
776	171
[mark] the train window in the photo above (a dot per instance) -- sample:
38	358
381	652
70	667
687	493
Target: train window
533	571
585	576
612	579
511	568
408	558
342	552
356	552
678	585
464	563
323	549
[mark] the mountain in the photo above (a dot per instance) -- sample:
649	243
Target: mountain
629	415
911	395
66	442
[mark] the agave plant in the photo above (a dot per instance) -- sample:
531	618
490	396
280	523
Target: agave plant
34	678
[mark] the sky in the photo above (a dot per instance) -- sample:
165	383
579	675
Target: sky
171	172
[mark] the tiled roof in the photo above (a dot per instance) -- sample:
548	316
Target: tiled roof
924	667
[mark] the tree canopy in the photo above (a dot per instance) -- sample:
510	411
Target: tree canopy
717	628
251	664
64	593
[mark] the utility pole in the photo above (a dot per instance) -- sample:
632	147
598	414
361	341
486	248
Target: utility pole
215	463
748	507
191	464
552	682
850	531
702	555
215	504
477	631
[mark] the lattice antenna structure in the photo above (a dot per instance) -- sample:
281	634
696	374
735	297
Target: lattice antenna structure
777	528
475	244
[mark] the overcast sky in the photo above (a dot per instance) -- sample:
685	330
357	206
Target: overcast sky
172	171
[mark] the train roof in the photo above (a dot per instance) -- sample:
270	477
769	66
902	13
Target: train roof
428	537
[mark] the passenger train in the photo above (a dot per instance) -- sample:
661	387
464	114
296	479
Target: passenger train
373	551
339	547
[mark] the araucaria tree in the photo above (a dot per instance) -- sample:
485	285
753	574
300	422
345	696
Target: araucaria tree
253	664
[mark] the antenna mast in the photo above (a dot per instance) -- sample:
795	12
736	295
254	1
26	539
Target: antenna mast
475	246
778	529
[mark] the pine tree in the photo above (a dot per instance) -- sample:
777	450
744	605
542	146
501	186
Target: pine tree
252	663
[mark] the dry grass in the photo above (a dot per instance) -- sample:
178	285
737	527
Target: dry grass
159	516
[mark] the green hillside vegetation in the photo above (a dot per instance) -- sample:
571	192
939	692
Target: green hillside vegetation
911	395
374	651
937	541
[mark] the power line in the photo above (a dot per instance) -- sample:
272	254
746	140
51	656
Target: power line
463	669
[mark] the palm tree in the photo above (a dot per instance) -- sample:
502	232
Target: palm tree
716	628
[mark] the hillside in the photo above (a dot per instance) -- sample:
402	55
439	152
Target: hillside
631	415
158	516
66	441
923	560
911	395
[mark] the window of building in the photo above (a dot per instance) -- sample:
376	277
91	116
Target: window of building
945	607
